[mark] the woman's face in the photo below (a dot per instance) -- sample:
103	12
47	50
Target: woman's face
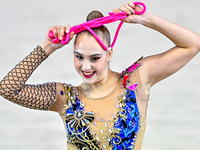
90	59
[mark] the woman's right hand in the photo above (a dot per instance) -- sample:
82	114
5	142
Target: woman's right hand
59	31
130	9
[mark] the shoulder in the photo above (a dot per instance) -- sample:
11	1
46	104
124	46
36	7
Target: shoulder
64	91
132	68
133	77
128	76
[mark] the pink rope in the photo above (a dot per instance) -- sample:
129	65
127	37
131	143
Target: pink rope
97	23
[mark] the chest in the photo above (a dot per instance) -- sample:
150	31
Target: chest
113	124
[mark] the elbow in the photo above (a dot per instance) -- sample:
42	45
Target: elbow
1	88
197	42
5	90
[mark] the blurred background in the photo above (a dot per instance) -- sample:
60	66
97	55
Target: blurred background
173	117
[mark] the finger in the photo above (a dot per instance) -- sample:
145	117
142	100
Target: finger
122	8
131	4
50	33
71	36
116	10
129	8
67	27
62	33
55	32
58	30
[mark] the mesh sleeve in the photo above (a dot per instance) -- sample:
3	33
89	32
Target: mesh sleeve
13	86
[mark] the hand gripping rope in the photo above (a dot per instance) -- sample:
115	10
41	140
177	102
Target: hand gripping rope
97	23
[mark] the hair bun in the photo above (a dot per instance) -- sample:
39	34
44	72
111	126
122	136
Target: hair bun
93	15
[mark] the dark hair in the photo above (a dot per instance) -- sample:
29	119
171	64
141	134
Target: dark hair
101	31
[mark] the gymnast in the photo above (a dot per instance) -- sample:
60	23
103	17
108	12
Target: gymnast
108	109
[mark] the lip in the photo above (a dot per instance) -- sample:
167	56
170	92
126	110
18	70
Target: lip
88	76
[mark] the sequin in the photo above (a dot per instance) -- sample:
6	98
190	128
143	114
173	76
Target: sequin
121	135
101	131
126	77
132	87
133	67
61	92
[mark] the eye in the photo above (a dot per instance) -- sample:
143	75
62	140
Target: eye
95	58
79	57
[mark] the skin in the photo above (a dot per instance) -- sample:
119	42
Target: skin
186	42
89	56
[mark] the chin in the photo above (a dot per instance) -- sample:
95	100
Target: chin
89	80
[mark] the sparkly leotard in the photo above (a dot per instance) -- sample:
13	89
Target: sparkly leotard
113	122
86	130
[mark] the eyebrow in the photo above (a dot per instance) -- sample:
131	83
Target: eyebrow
89	56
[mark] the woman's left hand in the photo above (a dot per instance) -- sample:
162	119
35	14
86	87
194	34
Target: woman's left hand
130	9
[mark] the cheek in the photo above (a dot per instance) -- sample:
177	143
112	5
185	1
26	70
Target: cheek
76	64
101	65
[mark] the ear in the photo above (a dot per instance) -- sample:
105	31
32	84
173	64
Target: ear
110	52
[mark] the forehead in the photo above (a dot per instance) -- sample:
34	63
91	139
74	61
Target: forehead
88	45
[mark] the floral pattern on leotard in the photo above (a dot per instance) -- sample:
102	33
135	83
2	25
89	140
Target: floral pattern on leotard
126	123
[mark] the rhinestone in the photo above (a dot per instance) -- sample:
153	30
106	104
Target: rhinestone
95	123
110	130
104	146
106	124
97	138
101	131
82	122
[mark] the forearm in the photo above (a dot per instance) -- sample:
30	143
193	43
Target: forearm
180	36
13	86
18	76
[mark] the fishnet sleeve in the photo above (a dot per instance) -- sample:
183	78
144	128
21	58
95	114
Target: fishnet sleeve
13	86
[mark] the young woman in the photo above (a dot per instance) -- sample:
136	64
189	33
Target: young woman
107	110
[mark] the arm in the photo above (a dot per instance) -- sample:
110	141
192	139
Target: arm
13	86
187	45
158	67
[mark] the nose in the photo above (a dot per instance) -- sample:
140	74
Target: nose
86	65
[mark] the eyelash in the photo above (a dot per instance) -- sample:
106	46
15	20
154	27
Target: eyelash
79	57
92	59
95	58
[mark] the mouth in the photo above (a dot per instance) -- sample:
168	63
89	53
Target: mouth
88	74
